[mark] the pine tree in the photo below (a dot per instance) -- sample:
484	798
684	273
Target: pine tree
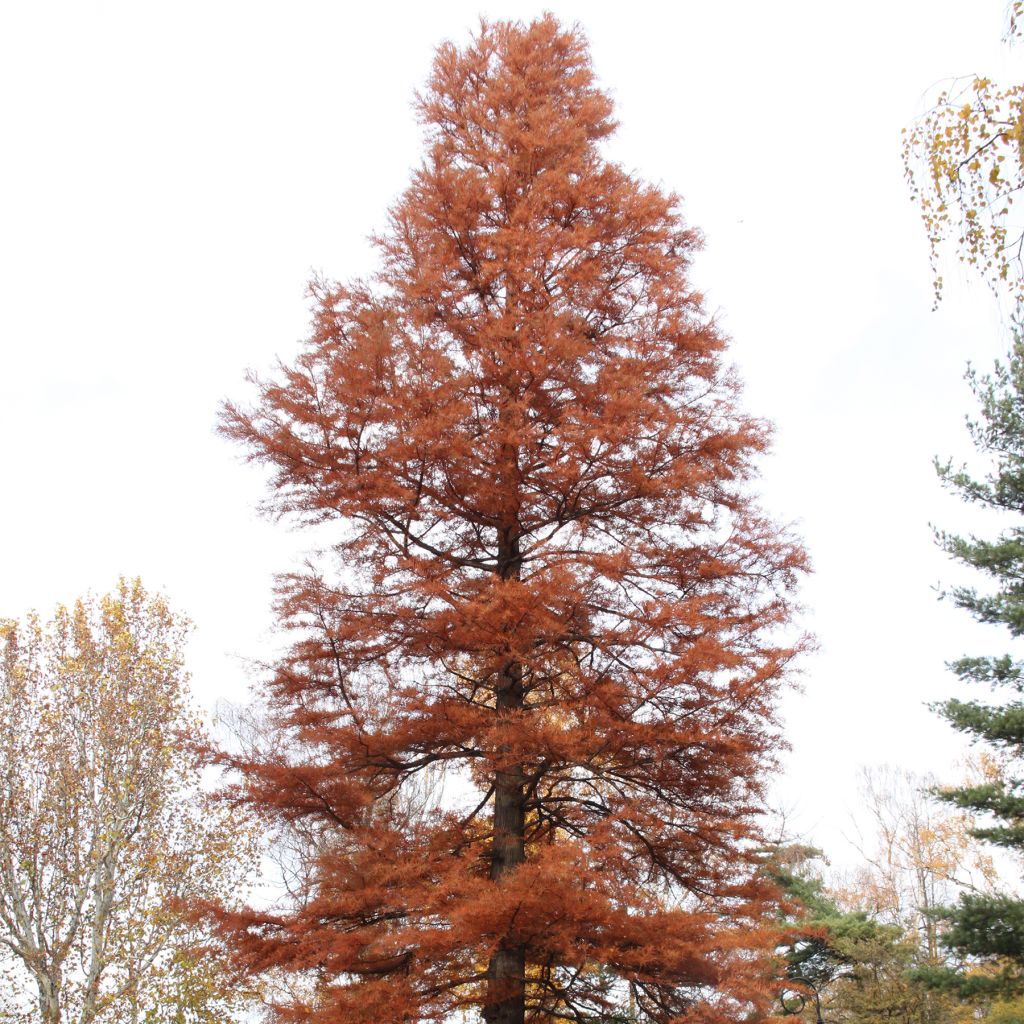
845	965
841	965
993	926
528	710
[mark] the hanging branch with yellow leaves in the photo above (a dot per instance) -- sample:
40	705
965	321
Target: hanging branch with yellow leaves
964	162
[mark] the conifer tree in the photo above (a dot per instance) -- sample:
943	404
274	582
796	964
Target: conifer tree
982	925
550	592
842	964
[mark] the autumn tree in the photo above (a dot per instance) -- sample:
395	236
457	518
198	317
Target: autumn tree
104	836
917	856
547	584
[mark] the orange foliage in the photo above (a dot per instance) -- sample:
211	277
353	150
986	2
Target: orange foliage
551	590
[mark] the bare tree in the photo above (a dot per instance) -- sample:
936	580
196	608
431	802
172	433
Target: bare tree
920	855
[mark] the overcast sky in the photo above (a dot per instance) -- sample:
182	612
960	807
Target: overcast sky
171	175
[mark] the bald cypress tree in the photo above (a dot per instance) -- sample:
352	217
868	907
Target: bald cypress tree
550	584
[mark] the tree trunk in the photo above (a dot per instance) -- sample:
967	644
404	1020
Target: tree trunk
506	971
49	999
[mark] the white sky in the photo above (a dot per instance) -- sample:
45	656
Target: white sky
171	174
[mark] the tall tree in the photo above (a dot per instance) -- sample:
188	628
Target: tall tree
103	832
550	587
965	163
992	926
